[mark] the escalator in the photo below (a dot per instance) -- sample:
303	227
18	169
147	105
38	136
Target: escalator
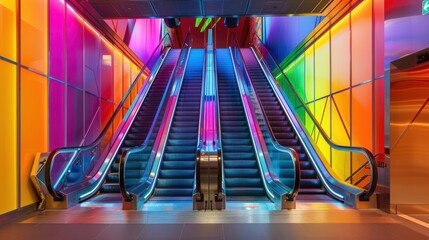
140	128
282	128
241	170
177	170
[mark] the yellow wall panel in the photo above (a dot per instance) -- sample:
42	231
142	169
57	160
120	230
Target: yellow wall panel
8	29
34	34
8	138
322	109
340	54
341	116
34	128
322	67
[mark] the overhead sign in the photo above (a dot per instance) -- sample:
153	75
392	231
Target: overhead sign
425	7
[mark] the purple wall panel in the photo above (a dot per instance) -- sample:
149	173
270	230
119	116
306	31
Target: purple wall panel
56	39
92	117
405	29
74	116
283	34
92	62
145	37
106	73
74	50
56	115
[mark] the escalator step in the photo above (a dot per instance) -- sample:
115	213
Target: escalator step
239	156
243	182
177	173
175	183
242	173
178	164
168	192
240	164
245	192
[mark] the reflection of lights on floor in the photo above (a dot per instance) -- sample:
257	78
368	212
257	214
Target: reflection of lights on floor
251	207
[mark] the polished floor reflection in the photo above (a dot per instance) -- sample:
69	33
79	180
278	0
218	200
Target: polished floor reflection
314	218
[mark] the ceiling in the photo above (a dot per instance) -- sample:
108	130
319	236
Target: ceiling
206	8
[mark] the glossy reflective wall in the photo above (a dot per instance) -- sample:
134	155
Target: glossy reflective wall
61	81
340	78
409	131
405	37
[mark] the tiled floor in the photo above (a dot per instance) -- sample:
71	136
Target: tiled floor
312	219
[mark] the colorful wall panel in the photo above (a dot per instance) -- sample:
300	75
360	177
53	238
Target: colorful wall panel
34	128
8	29
69	79
8	137
339	82
283	34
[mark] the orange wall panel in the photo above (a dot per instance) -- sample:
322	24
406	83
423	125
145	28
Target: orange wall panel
126	80
117	64
361	21
34	34
8	29
8	137
34	128
362	116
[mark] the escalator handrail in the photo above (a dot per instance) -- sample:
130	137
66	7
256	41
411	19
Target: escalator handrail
75	150
277	145
368	155
279	187
220	174
125	154
149	178
201	128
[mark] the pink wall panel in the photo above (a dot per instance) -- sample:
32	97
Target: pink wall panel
74	116
74	50
92	61
92	117
56	40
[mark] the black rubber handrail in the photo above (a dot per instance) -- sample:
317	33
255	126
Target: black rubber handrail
94	145
368	155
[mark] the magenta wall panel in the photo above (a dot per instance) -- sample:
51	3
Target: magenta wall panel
145	37
56	39
74	50
74	116
92	117
92	62
56	115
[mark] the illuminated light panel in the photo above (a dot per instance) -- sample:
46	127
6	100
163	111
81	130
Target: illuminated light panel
34	125
8	137
8	29
34	26
206	23
198	21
